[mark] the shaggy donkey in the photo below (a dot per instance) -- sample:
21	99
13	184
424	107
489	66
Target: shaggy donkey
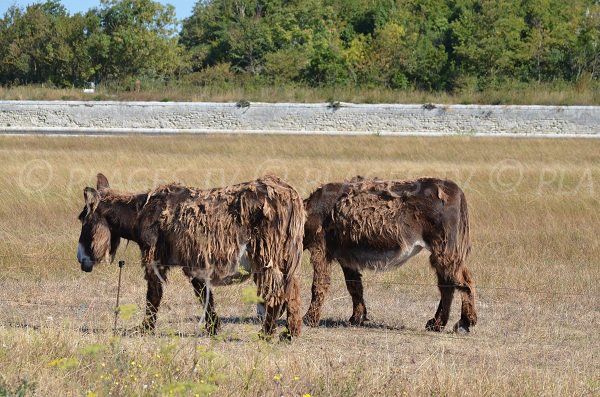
379	225
257	225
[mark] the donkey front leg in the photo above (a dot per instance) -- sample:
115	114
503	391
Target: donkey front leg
355	288
153	296
211	322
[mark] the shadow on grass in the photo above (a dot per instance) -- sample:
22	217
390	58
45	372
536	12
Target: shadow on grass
21	324
233	320
236	320
338	323
325	323
84	329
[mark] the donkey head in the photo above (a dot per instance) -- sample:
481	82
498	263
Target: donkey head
96	241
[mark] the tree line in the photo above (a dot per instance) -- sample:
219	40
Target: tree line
399	44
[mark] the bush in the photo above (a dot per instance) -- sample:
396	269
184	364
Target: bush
218	75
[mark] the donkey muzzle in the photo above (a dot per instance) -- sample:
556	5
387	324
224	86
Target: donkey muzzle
86	263
87	266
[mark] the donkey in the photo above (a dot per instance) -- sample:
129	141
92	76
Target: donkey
379	225
216	236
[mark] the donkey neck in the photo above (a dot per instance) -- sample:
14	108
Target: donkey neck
122	214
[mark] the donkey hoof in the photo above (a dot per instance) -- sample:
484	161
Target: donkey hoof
434	325
462	328
356	321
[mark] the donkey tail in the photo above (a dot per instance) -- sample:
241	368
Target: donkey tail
456	229
295	232
463	246
281	238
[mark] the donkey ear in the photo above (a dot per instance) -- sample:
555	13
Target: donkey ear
92	198
102	182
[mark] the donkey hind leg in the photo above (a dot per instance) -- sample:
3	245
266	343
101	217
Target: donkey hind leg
445	271
442	314
355	288
450	277
468	315
153	296
211	319
294	320
320	285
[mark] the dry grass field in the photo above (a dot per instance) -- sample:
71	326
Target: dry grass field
535	225
584	93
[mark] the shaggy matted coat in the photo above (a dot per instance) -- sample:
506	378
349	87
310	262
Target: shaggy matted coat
209	233
376	224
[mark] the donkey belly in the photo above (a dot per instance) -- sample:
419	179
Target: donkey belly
360	258
241	271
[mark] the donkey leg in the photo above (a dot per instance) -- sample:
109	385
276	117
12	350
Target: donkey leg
153	297
212	322
442	314
446	285
294	320
320	285
468	315
355	288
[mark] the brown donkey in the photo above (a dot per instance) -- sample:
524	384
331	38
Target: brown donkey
379	225
216	236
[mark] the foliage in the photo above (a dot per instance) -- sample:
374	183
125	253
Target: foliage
250	297
120	40
439	45
136	39
127	310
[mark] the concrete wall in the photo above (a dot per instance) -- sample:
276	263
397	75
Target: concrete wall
291	118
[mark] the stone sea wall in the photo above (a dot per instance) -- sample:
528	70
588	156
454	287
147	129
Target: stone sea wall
70	117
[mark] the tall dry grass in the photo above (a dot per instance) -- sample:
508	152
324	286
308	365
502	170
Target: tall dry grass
515	94
535	220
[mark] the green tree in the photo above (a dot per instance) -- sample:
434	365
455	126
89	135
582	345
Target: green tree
550	38
268	38
13	62
240	32
136	39
410	48
487	38
29	41
402	44
586	49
